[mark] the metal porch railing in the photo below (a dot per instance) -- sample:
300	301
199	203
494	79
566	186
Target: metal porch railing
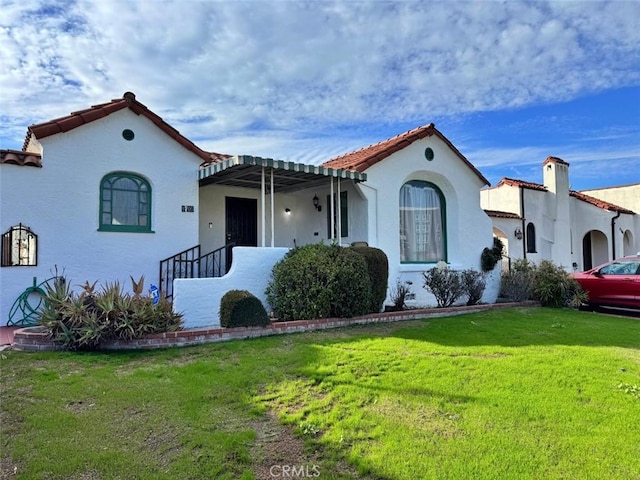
190	264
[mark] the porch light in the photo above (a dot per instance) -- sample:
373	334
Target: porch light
518	233
287	211
316	203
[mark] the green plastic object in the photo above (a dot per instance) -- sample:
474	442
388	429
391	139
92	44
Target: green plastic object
25	311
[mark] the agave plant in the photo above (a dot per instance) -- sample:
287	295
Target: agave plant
65	336
137	287
90	332
107	300
58	292
83	322
74	311
126	330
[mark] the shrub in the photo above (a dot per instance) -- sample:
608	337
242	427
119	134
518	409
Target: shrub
554	287
445	285
548	283
473	285
517	284
378	268
491	256
399	294
240	308
85	321
319	281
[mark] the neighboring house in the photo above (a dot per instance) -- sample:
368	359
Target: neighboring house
627	196
550	221
111	191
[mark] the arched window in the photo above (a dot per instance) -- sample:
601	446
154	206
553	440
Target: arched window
125	203
422	223
531	238
19	247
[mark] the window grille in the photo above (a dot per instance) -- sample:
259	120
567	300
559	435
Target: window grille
19	247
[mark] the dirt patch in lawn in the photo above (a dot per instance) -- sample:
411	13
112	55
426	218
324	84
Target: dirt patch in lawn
275	446
8	468
276	449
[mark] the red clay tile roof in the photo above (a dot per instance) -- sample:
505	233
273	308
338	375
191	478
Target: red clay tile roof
82	117
599	203
520	183
580	196
499	214
15	157
366	157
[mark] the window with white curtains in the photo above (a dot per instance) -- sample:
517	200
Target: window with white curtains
125	203
422	223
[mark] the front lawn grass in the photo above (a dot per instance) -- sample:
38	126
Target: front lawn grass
520	393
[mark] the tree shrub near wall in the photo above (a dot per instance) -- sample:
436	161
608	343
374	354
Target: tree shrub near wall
473	285
399	294
240	308
319	281
547	283
378	267
449	285
516	285
491	256
87	320
445	284
554	287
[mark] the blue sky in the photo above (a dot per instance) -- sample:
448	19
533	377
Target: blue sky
509	83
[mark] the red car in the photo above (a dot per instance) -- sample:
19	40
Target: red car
613	284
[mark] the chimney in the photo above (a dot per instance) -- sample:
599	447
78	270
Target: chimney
556	175
556	180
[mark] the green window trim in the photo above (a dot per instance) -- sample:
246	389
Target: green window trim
443	220
125	203
124	228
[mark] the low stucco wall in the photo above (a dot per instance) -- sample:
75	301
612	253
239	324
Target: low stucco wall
198	299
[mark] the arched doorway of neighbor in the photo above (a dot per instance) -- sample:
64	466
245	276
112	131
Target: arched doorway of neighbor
506	253
595	249
627	244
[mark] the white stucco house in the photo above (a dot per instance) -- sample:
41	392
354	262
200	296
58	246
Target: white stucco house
113	191
549	221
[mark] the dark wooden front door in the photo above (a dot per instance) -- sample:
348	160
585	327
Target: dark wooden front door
241	222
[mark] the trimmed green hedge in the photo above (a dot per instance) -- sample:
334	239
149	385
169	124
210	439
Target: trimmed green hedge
378	267
240	308
320	281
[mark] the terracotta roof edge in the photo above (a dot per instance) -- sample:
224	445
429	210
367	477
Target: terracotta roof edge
596	202
360	161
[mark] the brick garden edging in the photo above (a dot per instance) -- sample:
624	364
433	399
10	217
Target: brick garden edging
35	339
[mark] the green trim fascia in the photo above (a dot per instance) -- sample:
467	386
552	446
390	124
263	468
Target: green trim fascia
124	229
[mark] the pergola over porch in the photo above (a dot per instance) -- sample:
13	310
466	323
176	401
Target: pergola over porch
277	176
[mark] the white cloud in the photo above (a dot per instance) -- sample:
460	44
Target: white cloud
283	72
